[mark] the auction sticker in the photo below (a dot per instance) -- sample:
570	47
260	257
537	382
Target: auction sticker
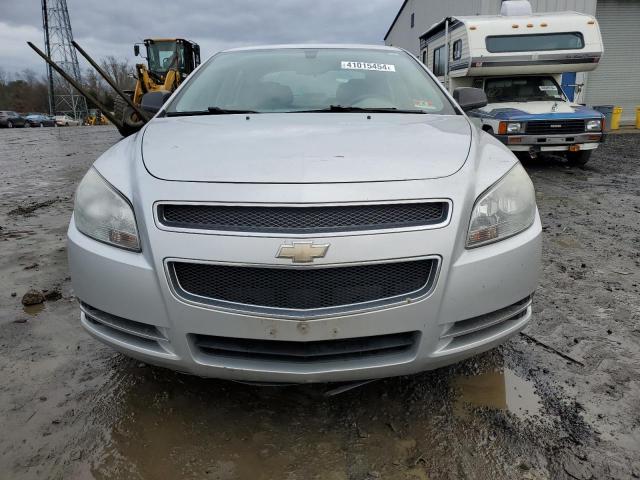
378	67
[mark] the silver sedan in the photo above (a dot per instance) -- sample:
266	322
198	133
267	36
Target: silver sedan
306	213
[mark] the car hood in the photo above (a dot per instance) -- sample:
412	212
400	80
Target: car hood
306	147
545	109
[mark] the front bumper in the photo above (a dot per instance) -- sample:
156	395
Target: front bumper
480	298
551	143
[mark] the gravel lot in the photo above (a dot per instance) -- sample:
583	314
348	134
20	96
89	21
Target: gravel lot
562	401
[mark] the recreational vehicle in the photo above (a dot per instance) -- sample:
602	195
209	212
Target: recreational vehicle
518	58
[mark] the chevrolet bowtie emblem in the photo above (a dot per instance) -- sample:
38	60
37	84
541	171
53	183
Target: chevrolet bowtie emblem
302	252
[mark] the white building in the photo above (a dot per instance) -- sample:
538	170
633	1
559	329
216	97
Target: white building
615	82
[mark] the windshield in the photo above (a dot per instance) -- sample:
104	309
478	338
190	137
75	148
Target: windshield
298	80
524	89
164	55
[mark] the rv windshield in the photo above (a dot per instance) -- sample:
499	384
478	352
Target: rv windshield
522	89
290	80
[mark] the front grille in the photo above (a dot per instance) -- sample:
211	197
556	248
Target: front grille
550	127
302	288
287	351
300	220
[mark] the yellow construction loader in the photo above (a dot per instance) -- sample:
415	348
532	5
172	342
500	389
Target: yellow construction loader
96	117
169	62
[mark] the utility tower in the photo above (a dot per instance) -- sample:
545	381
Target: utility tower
63	99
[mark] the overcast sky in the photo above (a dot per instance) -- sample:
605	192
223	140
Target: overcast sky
106	27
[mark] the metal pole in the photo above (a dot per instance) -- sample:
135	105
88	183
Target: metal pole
110	81
47	48
77	86
446	53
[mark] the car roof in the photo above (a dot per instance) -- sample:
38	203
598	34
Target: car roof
319	46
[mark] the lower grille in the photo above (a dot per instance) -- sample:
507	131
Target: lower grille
305	289
287	351
303	219
550	127
483	326
128	331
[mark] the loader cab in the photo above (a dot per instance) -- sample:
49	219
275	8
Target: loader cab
165	54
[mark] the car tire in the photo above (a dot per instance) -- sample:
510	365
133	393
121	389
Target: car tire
9	124
41	125
579	159
26	125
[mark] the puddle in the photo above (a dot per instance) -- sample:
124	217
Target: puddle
33	310
567	242
502	390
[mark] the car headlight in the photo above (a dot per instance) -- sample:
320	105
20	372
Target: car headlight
505	209
594	125
514	127
104	214
505	128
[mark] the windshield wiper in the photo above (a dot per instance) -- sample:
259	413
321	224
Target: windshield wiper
342	108
208	111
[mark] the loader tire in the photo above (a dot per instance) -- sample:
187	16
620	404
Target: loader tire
129	118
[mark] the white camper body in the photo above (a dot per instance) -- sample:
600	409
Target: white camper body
518	59
488	45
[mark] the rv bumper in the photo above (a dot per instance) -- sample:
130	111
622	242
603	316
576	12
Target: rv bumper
551	143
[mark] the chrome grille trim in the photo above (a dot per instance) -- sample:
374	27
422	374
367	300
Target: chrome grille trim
181	294
445	219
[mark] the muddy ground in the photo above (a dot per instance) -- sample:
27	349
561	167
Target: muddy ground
563	402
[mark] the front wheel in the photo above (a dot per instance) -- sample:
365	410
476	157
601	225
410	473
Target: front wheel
131	123
579	159
41	125
27	124
9	124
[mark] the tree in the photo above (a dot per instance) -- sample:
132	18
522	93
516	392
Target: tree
27	92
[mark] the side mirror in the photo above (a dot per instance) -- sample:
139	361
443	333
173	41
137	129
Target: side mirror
136	50
470	98
152	102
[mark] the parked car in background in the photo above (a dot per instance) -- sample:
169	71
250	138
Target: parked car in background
66	121
39	120
11	119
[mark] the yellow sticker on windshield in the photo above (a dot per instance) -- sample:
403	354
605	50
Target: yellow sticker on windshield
378	67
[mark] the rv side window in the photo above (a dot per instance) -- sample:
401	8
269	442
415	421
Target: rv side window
424	56
533	42
457	49
438	61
